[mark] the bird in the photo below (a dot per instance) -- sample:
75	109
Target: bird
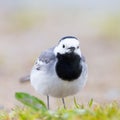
61	70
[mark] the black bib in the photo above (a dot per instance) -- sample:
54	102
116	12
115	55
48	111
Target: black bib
68	66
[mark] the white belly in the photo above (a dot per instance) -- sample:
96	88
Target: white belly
48	84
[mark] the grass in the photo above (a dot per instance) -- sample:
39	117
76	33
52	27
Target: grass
35	109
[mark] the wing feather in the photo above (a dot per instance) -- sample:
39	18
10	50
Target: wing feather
45	58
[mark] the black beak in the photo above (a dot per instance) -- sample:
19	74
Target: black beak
71	49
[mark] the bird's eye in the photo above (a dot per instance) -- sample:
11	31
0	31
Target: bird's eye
77	47
63	46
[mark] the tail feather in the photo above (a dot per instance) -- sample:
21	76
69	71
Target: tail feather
25	79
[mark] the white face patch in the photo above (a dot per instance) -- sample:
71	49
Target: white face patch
64	45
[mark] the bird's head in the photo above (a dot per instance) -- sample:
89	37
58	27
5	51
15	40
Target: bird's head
67	45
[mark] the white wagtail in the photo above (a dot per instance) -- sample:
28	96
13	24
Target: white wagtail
60	71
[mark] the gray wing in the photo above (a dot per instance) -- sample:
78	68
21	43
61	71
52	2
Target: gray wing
45	58
85	67
83	58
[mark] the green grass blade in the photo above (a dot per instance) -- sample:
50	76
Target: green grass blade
30	101
76	104
90	102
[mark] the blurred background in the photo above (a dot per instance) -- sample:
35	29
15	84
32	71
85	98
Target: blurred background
29	27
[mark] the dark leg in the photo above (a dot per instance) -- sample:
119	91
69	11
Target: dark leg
63	103
48	102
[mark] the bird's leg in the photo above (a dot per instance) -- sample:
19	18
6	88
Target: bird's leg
63	101
48	102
